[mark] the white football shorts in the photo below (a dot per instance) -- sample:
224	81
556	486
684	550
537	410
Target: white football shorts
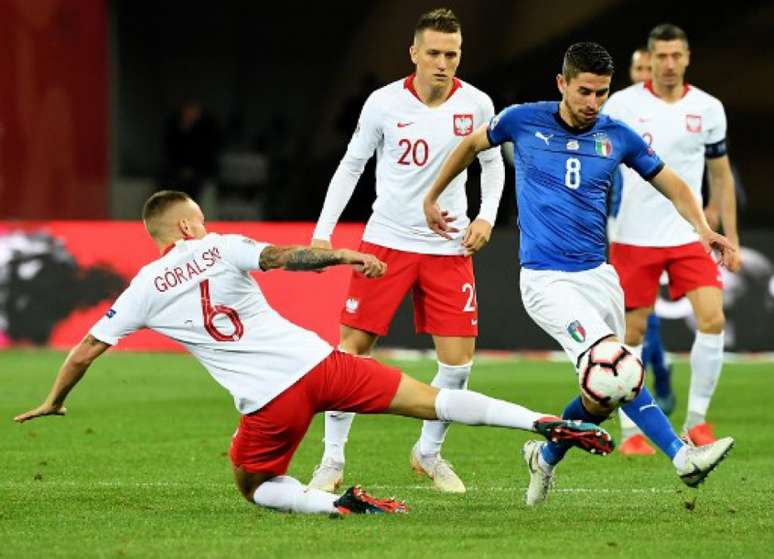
577	309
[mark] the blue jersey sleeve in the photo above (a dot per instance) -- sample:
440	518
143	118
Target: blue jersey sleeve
639	155
501	126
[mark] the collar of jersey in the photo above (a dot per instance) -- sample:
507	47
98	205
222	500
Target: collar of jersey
408	83
173	245
648	85
572	129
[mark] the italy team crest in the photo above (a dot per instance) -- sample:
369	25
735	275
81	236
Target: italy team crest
693	123
577	331
463	124
603	146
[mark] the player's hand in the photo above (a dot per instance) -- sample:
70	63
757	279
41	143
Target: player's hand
477	235
438	220
367	264
40	411
729	255
320	243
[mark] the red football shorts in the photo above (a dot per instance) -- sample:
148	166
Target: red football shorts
267	439
443	290
639	269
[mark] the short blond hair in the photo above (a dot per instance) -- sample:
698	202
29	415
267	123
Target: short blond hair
157	205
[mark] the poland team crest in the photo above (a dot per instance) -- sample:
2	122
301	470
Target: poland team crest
463	124
693	123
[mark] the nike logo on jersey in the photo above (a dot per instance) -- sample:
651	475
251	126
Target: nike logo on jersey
473	321
543	137
404	124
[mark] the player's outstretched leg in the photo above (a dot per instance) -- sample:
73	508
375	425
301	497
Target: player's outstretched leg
425	457
416	399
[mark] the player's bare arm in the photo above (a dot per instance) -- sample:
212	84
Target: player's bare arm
459	160
74	367
673	187
301	258
723	197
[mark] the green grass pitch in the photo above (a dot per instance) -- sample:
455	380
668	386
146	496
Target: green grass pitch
139	468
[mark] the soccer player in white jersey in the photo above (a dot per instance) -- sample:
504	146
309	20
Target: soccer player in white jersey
412	124
688	127
565	156
200	293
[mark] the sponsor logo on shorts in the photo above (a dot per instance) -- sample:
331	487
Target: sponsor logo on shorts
351	305
111	313
577	331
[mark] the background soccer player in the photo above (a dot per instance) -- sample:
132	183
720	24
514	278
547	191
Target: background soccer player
652	351
200	293
566	154
412	125
687	126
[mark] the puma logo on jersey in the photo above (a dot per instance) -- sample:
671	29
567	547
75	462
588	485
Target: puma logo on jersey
543	137
646	406
404	124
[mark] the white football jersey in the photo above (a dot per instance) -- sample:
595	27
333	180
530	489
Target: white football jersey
412	141
201	294
680	133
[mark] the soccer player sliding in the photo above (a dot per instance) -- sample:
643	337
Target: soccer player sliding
200	293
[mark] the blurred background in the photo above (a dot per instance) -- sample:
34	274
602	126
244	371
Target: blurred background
248	105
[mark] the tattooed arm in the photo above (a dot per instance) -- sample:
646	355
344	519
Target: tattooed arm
301	258
72	370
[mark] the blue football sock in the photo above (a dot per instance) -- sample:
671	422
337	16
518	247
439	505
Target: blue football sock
652	421
554	452
653	354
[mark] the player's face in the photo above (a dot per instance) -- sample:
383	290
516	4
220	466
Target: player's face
639	71
436	56
669	60
192	224
583	96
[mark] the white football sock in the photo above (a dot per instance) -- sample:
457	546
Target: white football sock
434	432
287	494
628	427
706	363
337	426
472	408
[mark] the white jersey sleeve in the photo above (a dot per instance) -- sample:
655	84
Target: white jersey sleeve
716	123
127	315
364	142
242	252
492	173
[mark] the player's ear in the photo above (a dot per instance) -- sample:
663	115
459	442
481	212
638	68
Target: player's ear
413	51
561	83
184	227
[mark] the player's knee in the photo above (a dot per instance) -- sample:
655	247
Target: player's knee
711	323
246	483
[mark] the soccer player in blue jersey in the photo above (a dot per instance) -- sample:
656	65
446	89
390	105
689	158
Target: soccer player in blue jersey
565	156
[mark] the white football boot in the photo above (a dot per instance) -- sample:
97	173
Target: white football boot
327	476
437	469
701	460
540	481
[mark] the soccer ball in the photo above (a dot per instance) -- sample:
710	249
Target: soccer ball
610	374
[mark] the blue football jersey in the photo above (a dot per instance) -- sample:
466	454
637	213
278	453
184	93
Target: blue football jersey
562	180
